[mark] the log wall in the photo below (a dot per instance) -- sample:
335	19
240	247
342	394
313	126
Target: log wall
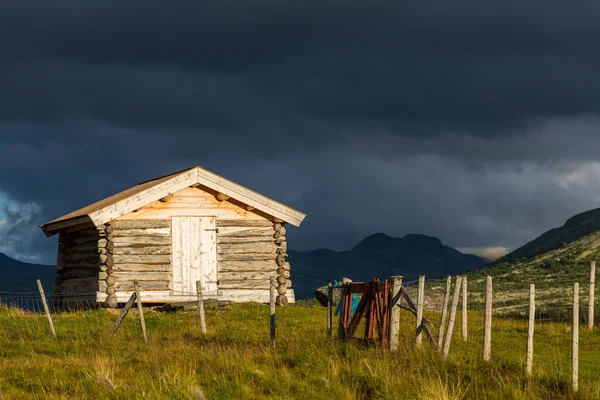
140	250
80	263
248	253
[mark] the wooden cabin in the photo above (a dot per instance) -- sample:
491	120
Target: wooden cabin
170	232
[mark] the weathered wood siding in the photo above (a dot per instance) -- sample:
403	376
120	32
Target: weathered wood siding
79	264
141	251
249	252
195	202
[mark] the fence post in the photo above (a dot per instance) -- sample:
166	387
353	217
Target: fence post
576	337
529	363
41	289
591	297
444	313
138	300
272	299
487	335
329	308
452	317
201	307
395	312
420	295
464	308
342	311
128	305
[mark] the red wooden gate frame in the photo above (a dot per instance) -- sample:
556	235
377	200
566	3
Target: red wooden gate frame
374	305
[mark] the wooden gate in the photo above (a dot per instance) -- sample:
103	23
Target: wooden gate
374	306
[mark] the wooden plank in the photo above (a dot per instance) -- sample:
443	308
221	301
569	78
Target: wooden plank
79	273
194	273
272	299
575	332
43	296
176	254
453	307
245	257
186	256
82	265
242	276
247	266
464	332
591	296
141	258
201	307
242	248
487	324
444	313
148	296
221	239
136	287
141	224
530	328
141	240
209	254
82	257
395	313
85	279
420	295
329	308
142	276
88	285
247	284
142	250
150	285
155	191
119	320
222	223
88	248
361	287
142	232
246	232
142	268
194	210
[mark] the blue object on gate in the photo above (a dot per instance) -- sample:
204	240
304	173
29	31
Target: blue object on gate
354	300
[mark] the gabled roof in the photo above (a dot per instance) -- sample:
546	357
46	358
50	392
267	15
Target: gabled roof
147	192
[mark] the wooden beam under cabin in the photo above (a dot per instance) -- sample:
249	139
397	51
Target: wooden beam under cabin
166	198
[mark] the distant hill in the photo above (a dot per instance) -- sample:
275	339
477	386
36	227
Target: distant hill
574	229
553	261
17	276
377	256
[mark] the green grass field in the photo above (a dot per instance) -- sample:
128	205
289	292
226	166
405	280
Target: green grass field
234	360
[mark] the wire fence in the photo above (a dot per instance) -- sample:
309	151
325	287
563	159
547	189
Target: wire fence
24	316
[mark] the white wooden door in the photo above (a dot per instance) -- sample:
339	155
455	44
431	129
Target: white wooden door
194	255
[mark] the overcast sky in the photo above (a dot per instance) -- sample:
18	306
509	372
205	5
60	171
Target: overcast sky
476	122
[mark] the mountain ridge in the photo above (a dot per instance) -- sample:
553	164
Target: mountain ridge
575	228
19	276
378	256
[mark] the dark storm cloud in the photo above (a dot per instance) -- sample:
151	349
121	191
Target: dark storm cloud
462	120
469	65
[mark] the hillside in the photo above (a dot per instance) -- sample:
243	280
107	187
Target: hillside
575	228
553	261
378	255
17	276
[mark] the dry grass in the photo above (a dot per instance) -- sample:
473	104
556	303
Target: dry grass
234	359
